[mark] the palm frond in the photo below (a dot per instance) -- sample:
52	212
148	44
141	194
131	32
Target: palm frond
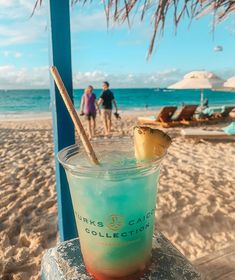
38	3
122	10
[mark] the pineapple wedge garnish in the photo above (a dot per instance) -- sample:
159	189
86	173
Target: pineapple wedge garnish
150	143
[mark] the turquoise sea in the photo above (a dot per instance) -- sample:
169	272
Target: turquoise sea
18	102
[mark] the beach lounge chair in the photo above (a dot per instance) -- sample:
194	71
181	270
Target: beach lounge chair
166	113
227	133
163	117
215	114
186	114
227	111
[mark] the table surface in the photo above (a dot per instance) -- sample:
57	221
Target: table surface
64	262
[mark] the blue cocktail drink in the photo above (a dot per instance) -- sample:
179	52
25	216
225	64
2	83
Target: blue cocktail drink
114	205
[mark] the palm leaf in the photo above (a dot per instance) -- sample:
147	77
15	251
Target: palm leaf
122	10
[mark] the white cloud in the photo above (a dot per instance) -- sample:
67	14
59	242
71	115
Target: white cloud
5	3
91	17
11	54
85	22
6	53
19	9
17	54
17	27
21	33
82	79
125	80
12	77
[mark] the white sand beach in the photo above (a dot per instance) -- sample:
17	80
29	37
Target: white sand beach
195	208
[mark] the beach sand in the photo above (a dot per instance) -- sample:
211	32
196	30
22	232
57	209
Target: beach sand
195	208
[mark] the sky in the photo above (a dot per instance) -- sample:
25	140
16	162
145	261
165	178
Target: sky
118	54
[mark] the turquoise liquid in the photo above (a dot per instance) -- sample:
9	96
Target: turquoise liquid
115	213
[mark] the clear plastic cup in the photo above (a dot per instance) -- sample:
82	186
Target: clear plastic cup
114	205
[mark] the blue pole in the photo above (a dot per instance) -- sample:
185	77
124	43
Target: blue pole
63	129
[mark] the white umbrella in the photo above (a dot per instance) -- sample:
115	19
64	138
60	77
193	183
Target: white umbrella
199	80
230	83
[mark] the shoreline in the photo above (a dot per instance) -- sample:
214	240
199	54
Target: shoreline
48	115
32	115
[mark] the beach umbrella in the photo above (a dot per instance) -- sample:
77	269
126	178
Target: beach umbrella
199	80
230	83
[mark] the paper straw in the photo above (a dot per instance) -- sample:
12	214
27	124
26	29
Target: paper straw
73	114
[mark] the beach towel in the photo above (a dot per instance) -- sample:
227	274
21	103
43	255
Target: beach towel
230	129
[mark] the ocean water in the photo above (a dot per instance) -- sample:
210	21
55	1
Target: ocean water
18	102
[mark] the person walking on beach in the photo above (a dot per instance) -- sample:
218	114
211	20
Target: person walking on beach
107	100
88	108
